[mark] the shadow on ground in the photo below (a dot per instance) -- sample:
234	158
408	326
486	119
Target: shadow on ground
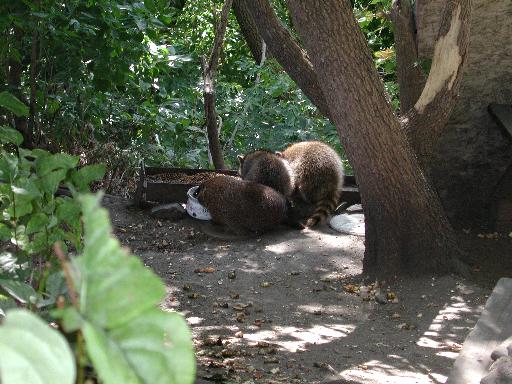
274	309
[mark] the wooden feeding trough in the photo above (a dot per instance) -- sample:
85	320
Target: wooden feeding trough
170	185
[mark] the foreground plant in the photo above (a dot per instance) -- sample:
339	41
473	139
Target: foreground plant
112	314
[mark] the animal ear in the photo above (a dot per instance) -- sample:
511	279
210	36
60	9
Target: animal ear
241	158
280	154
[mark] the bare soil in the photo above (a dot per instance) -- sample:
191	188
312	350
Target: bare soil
284	307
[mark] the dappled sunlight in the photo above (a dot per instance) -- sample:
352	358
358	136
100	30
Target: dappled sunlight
295	339
375	371
455	316
314	241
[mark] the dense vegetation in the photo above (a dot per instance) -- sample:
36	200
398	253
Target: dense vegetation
119	81
114	82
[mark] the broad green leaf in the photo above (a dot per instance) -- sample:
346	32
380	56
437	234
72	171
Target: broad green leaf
161	334
69	211
50	182
12	104
117	287
22	292
47	164
128	339
37	223
10	135
86	175
32	352
107	357
21	206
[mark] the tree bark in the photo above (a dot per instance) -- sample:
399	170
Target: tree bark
406	228
248	29
424	122
287	51
411	79
209	69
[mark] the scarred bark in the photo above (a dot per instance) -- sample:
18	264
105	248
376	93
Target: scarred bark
287	51
406	227
411	78
424	122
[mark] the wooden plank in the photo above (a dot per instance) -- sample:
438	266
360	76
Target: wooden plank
493	327
502	113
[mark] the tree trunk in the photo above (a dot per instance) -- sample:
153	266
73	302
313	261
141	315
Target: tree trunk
411	78
209	69
248	29
286	51
212	127
406	228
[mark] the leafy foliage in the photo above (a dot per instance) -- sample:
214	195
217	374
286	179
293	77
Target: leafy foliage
128	338
122	81
32	352
113	296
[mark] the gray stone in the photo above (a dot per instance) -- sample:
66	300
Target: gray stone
173	212
500	372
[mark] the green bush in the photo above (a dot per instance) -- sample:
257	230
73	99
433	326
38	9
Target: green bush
104	300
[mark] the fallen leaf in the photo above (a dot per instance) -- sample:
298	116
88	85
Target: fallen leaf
204	270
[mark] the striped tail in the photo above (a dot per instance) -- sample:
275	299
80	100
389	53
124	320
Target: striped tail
323	209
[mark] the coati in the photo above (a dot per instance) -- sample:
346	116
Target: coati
316	174
268	168
244	207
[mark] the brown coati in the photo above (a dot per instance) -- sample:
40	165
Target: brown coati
315	171
244	207
267	168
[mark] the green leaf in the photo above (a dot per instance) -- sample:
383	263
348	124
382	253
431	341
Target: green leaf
37	223
47	164
32	352
69	212
150	347
5	232
128	339
86	175
10	135
12	104
50	182
22	292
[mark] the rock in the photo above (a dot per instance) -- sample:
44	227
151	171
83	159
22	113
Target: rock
173	212
380	297
504	349
500	372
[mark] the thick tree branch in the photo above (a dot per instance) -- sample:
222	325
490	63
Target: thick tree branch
287	51
249	29
411	78
424	122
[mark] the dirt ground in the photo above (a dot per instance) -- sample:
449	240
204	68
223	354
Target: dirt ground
283	308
